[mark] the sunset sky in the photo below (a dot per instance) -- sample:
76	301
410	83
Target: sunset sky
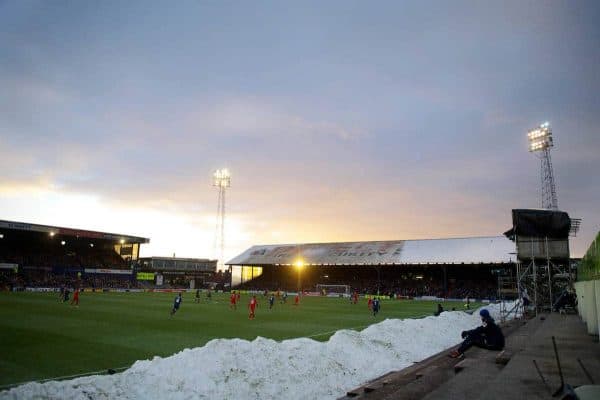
339	120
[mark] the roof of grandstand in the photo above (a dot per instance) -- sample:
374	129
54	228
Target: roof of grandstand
471	250
57	230
166	258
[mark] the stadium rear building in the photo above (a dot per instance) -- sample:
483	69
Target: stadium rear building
451	268
183	272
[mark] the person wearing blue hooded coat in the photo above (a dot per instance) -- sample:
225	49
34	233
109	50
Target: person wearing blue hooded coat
488	336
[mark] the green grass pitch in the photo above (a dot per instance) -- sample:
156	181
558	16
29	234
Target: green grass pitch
41	337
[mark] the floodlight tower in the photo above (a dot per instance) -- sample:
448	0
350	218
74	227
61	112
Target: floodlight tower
540	141
221	180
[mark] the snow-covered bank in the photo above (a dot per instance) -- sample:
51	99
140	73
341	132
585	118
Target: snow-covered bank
266	369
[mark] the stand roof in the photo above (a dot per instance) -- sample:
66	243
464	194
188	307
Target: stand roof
472	250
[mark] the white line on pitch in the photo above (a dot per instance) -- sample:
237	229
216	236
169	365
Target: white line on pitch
58	378
327	333
351	328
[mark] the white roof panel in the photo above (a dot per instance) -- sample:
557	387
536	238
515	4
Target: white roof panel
473	250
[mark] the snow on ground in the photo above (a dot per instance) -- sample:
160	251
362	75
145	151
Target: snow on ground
266	369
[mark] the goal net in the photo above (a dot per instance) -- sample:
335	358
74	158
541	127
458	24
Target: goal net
333	290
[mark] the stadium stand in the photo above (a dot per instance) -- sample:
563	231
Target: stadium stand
42	256
391	283
443	268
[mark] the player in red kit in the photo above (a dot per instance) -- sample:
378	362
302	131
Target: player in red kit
252	306
297	299
370	303
233	301
75	300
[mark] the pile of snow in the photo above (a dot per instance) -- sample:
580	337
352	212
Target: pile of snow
266	369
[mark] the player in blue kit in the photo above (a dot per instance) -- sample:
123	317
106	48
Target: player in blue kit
375	306
176	304
271	301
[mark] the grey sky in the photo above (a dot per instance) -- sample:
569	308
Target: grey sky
341	121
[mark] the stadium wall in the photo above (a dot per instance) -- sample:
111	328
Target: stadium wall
588	287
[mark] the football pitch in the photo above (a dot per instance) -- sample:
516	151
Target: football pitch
42	337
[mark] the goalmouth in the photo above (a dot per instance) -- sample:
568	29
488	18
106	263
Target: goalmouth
333	290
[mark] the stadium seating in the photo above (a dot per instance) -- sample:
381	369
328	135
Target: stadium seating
393	281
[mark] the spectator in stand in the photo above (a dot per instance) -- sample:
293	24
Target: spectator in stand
526	301
488	336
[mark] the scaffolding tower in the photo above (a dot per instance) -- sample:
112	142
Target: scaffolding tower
543	270
543	265
507	294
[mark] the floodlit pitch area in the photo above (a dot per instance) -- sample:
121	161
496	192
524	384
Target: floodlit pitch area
41	337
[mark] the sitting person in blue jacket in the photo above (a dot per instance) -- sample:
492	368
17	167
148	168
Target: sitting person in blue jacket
488	336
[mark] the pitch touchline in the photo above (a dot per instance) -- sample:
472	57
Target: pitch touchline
351	328
57	378
339	329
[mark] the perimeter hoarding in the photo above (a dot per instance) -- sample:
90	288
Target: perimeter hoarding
145	276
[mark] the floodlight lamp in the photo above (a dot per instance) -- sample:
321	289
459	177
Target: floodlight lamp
299	264
52	234
63	243
1	236
222	178
122	241
541	144
91	244
537	133
540	138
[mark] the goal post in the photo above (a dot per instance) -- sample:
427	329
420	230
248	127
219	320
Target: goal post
333	290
